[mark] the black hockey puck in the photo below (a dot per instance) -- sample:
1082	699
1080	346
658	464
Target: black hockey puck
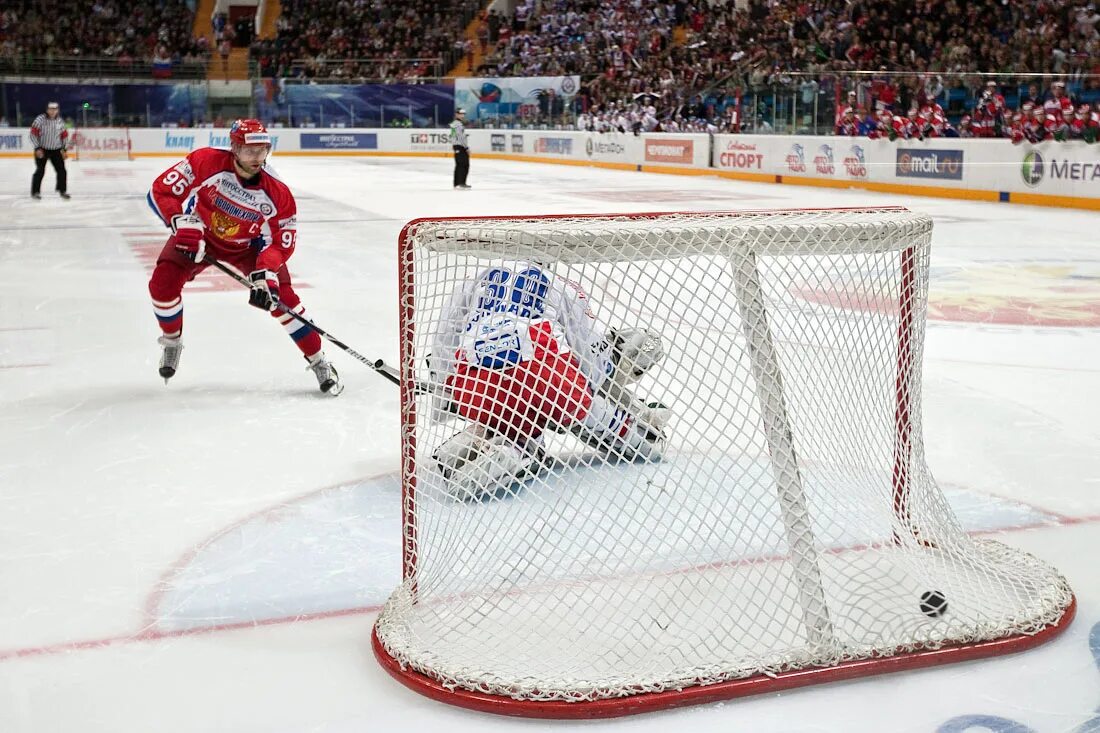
933	604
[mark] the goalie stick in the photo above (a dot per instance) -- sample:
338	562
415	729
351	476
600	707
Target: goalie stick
378	365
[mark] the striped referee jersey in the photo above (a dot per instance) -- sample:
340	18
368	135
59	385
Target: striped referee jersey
49	133
458	134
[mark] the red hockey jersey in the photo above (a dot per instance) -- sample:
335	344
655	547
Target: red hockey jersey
237	215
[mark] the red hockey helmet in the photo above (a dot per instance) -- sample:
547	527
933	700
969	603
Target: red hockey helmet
249	132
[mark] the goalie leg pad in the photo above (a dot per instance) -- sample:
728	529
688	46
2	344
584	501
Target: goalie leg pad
655	414
622	434
476	463
461	448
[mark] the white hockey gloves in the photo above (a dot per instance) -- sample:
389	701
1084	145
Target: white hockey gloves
634	351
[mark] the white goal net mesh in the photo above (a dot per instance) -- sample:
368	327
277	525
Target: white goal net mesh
790	522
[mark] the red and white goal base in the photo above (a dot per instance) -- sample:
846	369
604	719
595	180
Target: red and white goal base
100	143
790	534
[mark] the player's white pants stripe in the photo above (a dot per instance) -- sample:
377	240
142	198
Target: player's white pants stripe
293	326
168	311
170	316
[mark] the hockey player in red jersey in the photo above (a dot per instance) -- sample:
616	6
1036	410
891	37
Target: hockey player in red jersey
992	100
1084	126
1014	127
227	204
929	106
848	125
1035	128
933	124
921	121
896	126
1057	126
1059	105
988	119
965	128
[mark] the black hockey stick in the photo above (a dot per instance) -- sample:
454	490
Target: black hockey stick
378	365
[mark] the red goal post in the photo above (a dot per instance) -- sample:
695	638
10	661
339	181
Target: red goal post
791	530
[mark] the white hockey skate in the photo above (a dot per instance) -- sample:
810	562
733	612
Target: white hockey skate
170	356
623	436
327	377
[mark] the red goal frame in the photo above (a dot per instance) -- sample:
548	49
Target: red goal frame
887	662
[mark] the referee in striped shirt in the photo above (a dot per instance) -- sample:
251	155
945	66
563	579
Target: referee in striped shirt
49	138
461	147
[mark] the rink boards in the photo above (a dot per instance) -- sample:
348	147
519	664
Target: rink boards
1046	174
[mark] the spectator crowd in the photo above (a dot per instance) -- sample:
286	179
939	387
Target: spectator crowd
913	68
343	40
129	33
677	65
690	66
1054	116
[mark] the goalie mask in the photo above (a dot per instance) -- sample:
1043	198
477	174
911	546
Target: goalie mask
522	293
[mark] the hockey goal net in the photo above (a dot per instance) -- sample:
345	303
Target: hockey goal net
100	143
791	533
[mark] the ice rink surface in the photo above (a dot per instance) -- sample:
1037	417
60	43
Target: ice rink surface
210	555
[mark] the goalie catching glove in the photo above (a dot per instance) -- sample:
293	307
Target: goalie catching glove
634	351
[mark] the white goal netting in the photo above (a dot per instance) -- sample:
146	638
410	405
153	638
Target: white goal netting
791	522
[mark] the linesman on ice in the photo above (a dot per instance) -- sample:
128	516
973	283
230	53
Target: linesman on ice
49	138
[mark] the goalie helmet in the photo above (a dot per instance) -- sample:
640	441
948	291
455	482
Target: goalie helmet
521	292
249	132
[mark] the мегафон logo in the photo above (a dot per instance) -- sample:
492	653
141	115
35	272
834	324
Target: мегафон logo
1032	168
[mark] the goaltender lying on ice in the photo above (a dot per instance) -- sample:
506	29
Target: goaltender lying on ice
517	351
